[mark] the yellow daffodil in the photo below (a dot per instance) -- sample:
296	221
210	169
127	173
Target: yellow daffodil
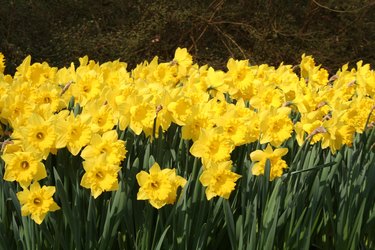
100	176
87	86
37	201
165	74
48	98
102	116
180	109
365	77
159	186
248	120
241	75
267	97
277	164
74	132
23	167
215	80
275	126
212	145
233	127
17	110
315	76
142	116
183	60
336	132
39	135
359	112
108	145
219	179
198	119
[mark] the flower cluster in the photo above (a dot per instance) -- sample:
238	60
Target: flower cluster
103	156
218	110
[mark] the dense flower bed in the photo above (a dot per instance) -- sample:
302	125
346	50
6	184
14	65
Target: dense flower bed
88	109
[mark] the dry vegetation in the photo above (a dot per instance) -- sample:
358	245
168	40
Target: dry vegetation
334	32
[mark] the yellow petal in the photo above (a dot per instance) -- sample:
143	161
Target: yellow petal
41	172
96	192
23	196
205	178
85	182
38	217
34	187
157	203
142	178
257	155
49	191
110	135
142	195
280	152
54	207
155	169
210	194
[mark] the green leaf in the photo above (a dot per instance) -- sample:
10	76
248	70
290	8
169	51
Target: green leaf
230	224
160	242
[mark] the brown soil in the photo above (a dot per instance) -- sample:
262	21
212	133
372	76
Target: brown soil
263	31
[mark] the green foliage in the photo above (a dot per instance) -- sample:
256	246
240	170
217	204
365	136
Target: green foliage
324	200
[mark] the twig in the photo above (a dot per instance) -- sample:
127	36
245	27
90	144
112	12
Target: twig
4	143
231	39
216	9
343	11
318	130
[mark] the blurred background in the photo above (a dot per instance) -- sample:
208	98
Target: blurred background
263	31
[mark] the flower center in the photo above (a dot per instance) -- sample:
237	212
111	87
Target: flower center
219	179
99	175
100	121
213	147
231	130
86	89
47	99
241	75
74	132
37	201
103	150
24	165
155	184
40	135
